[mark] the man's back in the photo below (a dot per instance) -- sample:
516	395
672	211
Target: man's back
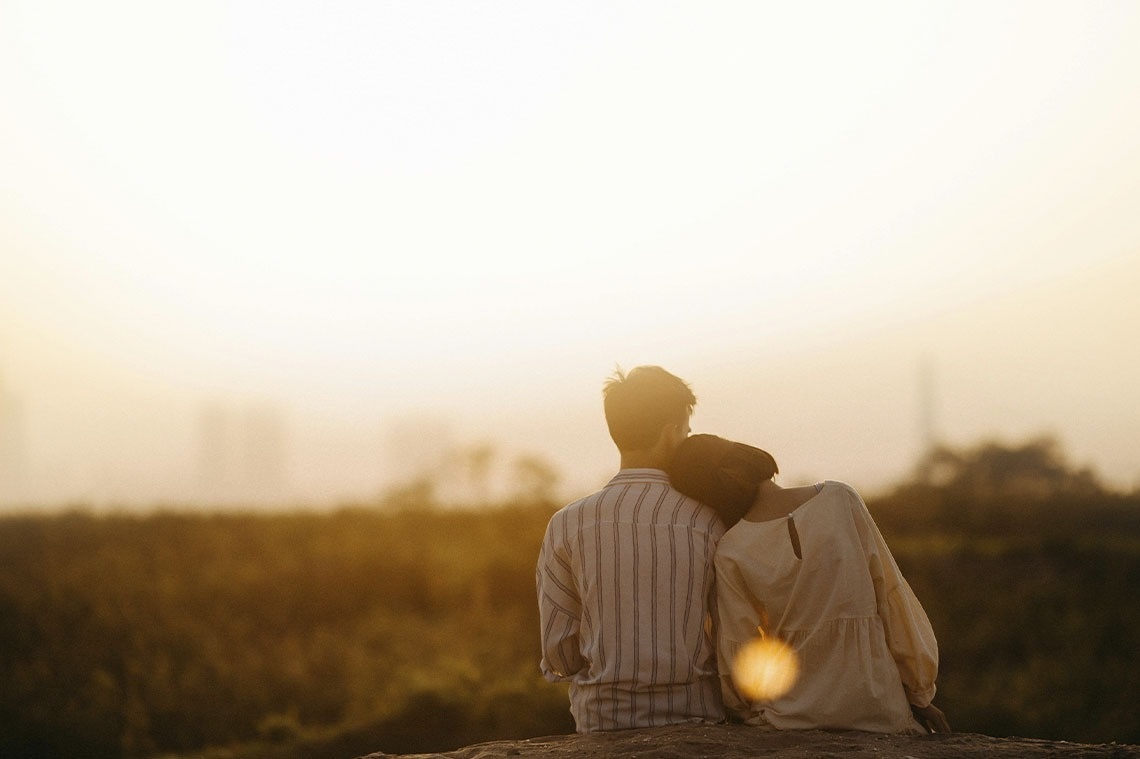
625	579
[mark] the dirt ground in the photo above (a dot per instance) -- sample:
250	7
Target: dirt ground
742	742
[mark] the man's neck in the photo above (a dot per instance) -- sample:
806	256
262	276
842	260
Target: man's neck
642	460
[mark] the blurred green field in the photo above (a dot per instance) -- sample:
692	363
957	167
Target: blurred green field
415	629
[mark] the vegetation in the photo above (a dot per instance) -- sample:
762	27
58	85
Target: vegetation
414	629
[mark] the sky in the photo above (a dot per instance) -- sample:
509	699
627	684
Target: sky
336	241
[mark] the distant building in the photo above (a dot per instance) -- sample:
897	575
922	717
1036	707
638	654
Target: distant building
241	454
263	454
215	473
13	448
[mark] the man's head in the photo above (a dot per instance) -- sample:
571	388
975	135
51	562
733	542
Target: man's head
647	411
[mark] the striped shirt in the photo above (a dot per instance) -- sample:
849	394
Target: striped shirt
625	588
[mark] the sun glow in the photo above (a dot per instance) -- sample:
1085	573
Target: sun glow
363	210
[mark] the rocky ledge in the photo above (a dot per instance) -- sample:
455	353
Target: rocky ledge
742	742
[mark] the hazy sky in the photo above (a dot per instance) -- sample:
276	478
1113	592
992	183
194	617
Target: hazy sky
456	217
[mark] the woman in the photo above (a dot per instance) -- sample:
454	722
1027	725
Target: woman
808	565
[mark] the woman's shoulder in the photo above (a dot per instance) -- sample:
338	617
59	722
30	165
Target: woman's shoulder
839	487
841	495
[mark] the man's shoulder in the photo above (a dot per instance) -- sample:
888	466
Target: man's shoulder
615	488
581	503
565	518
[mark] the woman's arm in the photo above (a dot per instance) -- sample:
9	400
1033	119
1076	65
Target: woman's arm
737	620
910	636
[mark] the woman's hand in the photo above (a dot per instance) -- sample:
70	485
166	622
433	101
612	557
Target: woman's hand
931	717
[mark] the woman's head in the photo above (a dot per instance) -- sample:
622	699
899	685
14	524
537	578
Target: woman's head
721	473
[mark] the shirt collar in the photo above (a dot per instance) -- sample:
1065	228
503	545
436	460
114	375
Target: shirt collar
626	476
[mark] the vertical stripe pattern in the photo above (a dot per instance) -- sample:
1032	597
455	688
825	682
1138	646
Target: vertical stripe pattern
625	582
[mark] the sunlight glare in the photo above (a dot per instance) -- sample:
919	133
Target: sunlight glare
765	669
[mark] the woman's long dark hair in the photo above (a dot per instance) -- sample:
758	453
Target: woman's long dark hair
721	473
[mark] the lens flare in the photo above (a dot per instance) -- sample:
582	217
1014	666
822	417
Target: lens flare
765	669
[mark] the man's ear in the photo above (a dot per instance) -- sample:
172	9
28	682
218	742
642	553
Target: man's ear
665	436
670	438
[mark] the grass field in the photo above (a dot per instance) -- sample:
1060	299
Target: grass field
301	634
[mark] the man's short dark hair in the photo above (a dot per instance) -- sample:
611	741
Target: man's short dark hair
639	404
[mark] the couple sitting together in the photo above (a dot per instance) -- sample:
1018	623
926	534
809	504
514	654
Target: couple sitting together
649	588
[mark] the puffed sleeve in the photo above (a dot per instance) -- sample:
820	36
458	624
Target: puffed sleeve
559	609
910	636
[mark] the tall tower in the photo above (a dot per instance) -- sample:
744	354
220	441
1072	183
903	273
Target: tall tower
927	424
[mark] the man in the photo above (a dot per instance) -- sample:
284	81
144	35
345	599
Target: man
625	576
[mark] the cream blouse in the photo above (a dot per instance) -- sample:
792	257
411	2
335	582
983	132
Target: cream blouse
865	646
